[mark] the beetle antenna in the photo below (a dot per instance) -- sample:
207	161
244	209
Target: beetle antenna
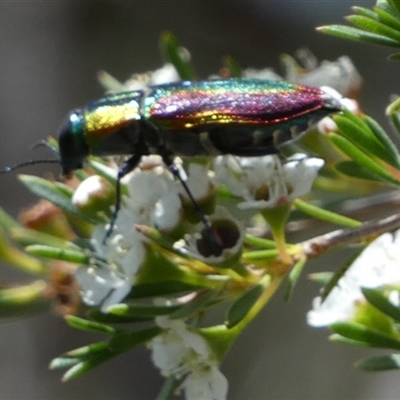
47	145
6	170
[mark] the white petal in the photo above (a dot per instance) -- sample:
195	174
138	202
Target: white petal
377	265
84	191
133	259
300	174
165	74
339	306
207	384
198	180
102	286
167	211
167	353
119	291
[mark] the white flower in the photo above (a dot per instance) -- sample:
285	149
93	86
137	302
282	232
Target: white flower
327	124
184	353
341	74
378	265
227	243
93	196
102	286
92	185
264	182
154	201
198	181
266	73
109	281
154	195
206	384
166	74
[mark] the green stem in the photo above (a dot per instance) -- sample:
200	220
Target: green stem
271	286
221	338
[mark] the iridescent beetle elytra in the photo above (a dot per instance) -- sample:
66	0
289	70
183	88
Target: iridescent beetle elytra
243	117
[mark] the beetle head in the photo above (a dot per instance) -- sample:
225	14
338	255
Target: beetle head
71	141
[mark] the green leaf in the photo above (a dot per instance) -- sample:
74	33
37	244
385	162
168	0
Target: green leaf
99	316
86	358
79	367
158	268
379	363
355	170
26	237
387	18
55	253
259	242
378	300
177	56
162	289
161	239
392	111
348	32
199	303
17	258
123	341
141	310
336	338
363	159
104	171
55	193
335	277
294	276
394	57
367	135
324	214
63	362
395	4
90	326
88	350
241	307
7	222
24	301
364	335
391	154
259	255
366	12
322	278
374	26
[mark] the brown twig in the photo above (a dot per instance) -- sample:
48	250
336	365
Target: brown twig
366	232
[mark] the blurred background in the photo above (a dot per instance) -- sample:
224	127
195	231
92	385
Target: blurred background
50	53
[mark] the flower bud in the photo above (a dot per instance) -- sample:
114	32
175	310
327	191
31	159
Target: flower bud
47	218
93	196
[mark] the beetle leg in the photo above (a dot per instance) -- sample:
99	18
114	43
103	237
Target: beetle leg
214	238
128	166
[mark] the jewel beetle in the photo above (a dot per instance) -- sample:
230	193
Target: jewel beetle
242	117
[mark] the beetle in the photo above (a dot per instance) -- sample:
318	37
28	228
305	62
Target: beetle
242	117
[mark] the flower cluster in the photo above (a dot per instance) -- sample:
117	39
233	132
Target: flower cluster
127	243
